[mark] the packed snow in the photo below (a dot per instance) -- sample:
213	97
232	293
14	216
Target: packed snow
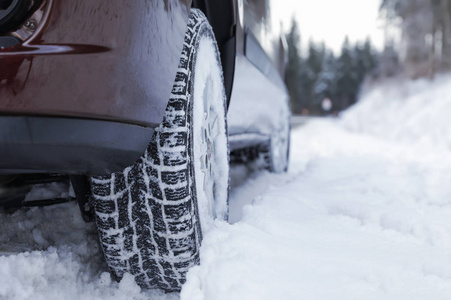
363	213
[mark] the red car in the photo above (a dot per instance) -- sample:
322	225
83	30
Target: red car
139	104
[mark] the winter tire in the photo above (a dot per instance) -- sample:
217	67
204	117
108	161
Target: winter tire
151	216
276	151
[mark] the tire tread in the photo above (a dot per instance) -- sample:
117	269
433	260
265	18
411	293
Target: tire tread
156	238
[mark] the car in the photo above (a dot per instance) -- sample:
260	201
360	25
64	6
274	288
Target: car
140	106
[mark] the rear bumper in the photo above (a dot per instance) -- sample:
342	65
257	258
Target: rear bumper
92	59
69	146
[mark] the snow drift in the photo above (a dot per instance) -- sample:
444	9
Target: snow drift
415	112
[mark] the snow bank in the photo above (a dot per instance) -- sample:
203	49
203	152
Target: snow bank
51	253
415	112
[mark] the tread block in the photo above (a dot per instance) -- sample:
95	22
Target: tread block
180	226
150	265
176	194
176	177
179	211
105	223
173	139
186	244
175	116
157	193
184	265
172	281
105	207
119	183
144	241
101	189
128	239
142	279
158	220
181	77
110	239
122	202
162	247
174	158
152	153
179	89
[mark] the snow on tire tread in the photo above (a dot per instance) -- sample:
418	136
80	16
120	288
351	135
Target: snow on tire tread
146	215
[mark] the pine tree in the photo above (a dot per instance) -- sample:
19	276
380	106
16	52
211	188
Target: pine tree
369	56
389	62
315	57
292	78
365	62
314	65
326	84
305	85
346	77
321	75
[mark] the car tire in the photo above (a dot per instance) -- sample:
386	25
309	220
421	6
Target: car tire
276	152
151	216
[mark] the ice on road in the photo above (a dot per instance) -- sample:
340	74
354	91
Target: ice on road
363	213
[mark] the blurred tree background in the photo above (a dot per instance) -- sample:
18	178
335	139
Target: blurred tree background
425	44
417	45
319	75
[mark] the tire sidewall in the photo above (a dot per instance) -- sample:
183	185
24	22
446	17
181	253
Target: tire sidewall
205	32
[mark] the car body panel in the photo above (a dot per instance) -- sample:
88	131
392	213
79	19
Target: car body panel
111	62
91	63
68	145
257	106
259	99
263	27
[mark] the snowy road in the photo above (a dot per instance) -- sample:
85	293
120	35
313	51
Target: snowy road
355	218
358	216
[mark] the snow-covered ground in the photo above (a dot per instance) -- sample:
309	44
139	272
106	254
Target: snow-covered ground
363	213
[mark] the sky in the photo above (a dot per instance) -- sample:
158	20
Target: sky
332	20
